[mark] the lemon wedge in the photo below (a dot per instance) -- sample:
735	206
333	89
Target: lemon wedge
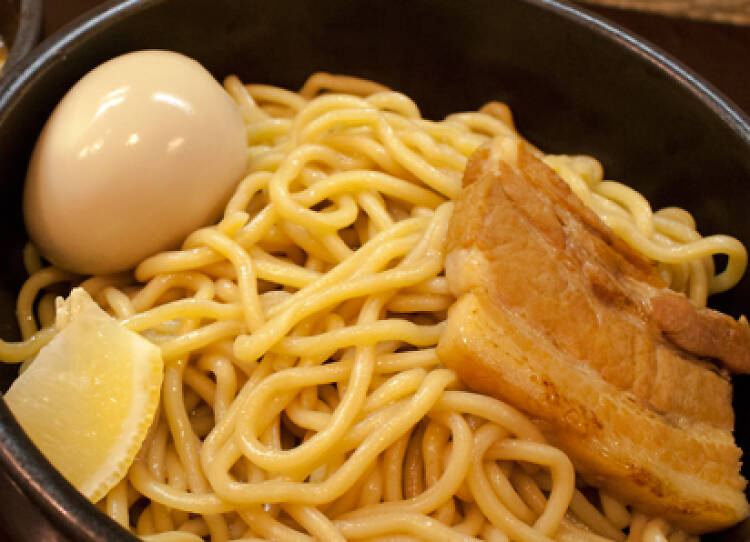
89	397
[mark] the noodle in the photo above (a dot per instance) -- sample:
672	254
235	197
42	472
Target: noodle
302	396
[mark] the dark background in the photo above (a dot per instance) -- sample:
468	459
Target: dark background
720	53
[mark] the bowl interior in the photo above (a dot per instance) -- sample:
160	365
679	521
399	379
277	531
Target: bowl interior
572	86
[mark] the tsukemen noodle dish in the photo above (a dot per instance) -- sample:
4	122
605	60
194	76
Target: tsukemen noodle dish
256	312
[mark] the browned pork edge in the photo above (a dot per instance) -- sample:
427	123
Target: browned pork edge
554	317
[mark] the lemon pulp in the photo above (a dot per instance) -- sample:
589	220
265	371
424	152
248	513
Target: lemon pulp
90	396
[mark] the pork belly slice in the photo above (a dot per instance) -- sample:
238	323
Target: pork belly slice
561	319
704	332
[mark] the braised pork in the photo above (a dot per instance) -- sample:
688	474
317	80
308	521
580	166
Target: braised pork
560	318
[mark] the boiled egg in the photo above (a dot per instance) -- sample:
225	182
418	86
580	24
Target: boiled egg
141	151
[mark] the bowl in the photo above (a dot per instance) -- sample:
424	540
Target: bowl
20	26
576	84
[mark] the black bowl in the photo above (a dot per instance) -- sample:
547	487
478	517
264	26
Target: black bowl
576	84
20	25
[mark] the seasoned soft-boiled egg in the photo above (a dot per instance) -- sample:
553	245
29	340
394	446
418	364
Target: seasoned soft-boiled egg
144	149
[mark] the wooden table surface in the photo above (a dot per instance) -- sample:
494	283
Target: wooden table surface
720	53
736	11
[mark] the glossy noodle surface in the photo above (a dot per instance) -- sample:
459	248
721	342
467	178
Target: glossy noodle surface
302	394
